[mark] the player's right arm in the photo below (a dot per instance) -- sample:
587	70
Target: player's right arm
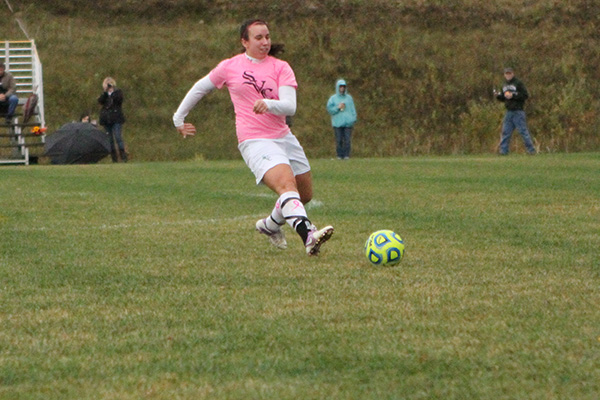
197	92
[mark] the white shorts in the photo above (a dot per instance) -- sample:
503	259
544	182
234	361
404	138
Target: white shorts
263	154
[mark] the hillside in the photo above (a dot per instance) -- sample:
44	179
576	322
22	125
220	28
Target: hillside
421	73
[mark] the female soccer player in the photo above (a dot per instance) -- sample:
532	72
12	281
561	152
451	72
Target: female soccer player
263	91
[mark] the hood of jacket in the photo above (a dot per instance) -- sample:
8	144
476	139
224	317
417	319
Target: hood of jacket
339	83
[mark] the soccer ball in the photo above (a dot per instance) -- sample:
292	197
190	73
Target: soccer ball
384	247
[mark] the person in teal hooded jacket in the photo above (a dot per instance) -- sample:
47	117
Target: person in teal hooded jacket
343	117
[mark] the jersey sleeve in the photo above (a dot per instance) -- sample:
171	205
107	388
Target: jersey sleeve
287	77
218	76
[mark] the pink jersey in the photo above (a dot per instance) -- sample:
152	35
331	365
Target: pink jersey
248	82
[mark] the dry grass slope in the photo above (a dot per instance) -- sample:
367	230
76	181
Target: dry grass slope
421	72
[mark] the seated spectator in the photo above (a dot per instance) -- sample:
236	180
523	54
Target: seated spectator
85	117
8	89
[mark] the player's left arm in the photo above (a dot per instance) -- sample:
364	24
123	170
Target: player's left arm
286	105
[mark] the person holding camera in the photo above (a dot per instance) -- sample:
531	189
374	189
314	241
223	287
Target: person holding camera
513	94
112	118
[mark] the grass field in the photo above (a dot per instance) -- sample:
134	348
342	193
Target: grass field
147	281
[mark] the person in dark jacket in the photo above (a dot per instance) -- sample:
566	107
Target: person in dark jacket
112	118
513	94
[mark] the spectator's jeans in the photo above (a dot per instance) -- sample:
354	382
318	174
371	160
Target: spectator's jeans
12	102
515	120
114	133
343	141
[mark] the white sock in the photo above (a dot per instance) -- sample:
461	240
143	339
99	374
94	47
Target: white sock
294	213
272	223
275	220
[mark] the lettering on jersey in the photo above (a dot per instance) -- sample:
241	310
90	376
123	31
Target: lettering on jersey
260	88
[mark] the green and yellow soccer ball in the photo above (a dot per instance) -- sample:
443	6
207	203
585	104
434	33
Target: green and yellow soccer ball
384	247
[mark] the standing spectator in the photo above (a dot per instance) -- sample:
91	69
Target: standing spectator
513	94
8	90
263	91
343	117
112	118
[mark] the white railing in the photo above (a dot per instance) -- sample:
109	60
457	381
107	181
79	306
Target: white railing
23	62
38	83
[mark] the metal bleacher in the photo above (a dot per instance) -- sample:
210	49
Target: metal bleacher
18	139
